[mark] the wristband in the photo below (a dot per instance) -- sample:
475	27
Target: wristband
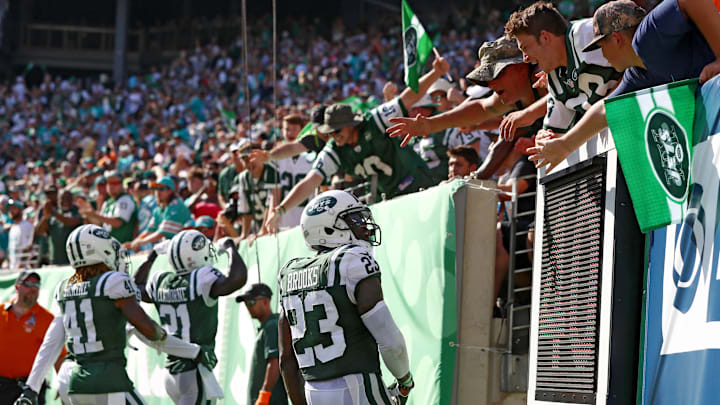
263	398
280	210
409	383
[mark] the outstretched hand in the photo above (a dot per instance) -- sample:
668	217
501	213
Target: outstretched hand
549	150
408	128
440	65
709	71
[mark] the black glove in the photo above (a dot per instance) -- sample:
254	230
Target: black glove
28	397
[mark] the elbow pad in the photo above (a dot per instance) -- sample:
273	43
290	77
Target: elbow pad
47	355
389	339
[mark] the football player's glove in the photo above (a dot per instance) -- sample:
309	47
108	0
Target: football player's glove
207	357
28	397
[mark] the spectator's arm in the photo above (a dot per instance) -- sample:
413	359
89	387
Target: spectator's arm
286	150
68	220
523	118
102	219
142	240
551	149
246	222
298	194
440	67
705	16
42	226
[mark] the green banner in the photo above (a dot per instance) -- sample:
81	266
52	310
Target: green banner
652	129
417	261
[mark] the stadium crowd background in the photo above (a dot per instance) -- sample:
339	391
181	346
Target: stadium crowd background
70	146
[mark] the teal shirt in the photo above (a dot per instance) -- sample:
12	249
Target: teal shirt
171	219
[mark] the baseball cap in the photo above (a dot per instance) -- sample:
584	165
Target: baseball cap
25	274
165	181
337	117
494	57
100	180
425	101
612	17
439	85
255	290
15	203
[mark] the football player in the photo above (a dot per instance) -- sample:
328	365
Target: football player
333	319
91	309
186	300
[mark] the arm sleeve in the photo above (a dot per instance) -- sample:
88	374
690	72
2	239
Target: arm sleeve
327	162
356	264
391	343
120	285
170	345
124	208
392	109
50	349
204	279
270	349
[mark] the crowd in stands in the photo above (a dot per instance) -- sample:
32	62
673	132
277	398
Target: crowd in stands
177	148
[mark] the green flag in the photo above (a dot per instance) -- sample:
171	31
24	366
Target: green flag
417	46
356	104
653	133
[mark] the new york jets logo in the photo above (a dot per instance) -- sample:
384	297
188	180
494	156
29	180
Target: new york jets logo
321	205
101	233
410	37
668	152
198	242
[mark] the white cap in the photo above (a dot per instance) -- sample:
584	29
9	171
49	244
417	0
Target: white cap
439	85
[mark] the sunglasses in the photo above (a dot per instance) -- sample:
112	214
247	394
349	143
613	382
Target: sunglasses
251	302
161	188
29	284
113	182
437	97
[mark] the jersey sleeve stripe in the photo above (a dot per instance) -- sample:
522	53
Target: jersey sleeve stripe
193	285
180	265
333	156
101	284
336	259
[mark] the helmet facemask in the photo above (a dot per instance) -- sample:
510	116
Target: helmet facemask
360	223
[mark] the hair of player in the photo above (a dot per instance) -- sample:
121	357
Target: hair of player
538	17
85	273
466	152
294	119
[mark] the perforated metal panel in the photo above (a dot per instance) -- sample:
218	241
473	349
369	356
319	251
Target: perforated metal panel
569	310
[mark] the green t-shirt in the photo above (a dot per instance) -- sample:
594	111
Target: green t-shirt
226	180
170	219
317	297
266	348
399	170
124	208
186	309
95	330
58	234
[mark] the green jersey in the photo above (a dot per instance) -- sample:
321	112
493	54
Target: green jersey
226	180
95	330
399	170
58	234
186	309
170	219
254	193
317	297
433	150
587	78
122	207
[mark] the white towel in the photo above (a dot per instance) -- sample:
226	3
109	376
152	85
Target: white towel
213	390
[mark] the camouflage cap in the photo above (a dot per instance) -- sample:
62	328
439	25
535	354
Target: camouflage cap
612	17
494	57
337	117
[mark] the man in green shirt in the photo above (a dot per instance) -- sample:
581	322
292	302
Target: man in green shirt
118	214
263	387
58	224
169	217
360	147
228	175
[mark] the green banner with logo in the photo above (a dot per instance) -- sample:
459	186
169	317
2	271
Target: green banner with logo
652	129
417	263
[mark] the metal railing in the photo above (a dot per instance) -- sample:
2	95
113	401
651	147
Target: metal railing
515	361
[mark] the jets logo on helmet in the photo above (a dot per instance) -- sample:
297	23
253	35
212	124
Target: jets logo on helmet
190	250
335	218
90	244
321	205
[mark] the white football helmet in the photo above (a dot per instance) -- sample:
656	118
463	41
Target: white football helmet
190	250
91	244
335	218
